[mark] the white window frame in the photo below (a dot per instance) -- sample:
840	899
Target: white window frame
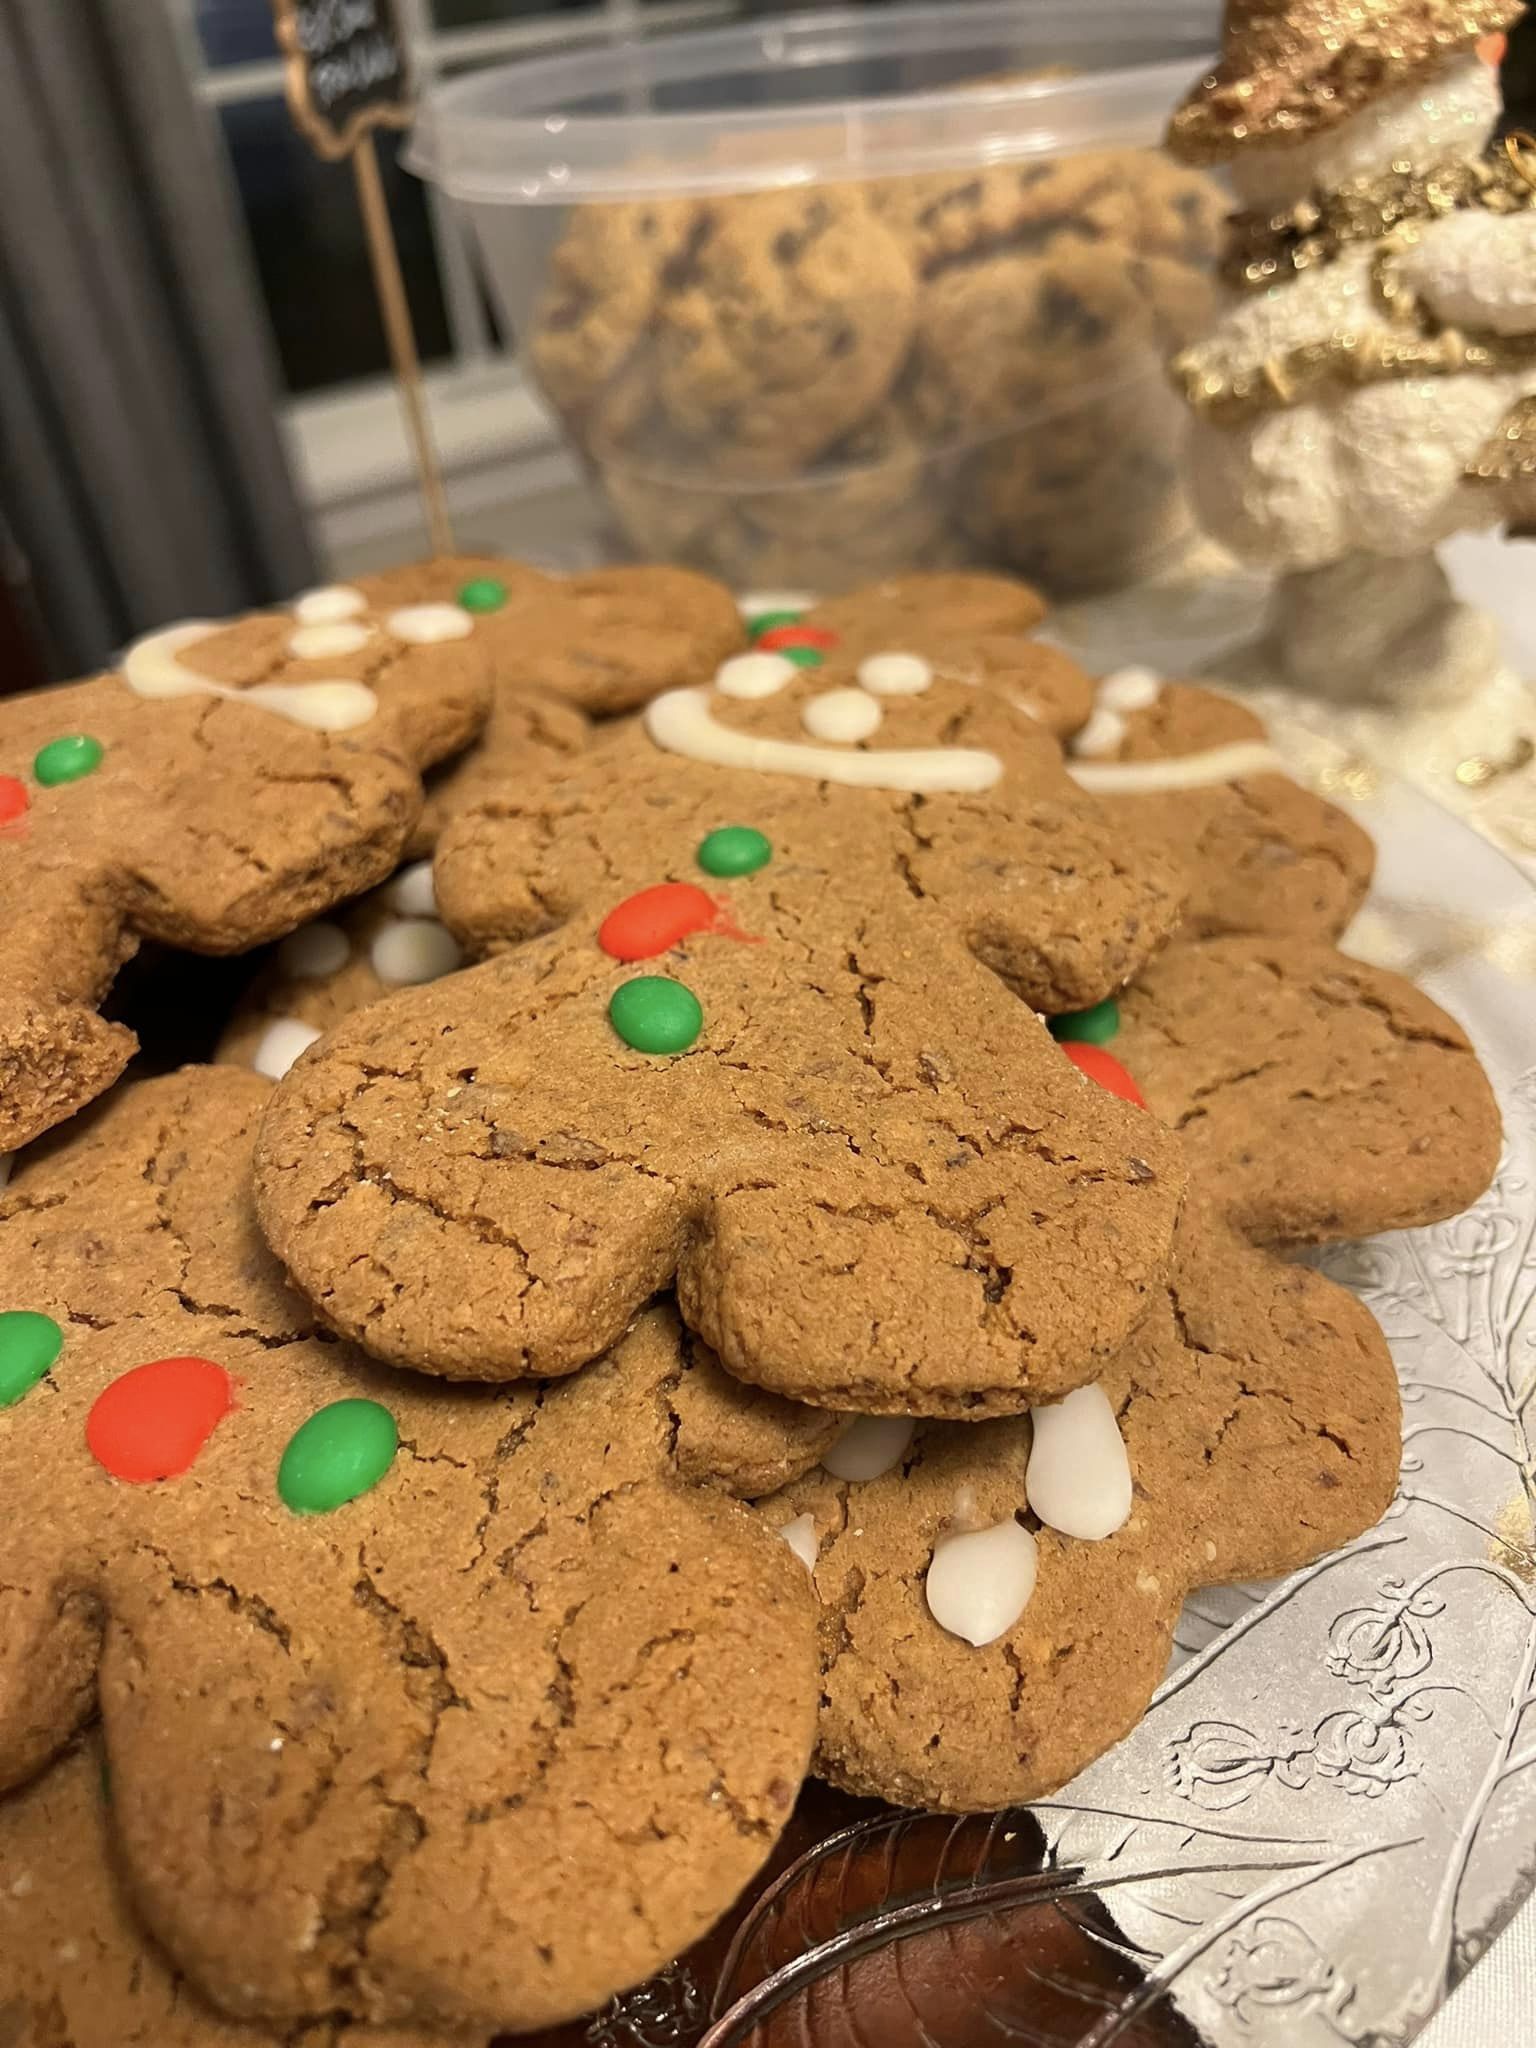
349	453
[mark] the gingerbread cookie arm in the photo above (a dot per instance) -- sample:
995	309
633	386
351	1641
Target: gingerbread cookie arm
1259	1413
1318	1098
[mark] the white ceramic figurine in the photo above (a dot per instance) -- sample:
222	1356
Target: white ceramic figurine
1370	388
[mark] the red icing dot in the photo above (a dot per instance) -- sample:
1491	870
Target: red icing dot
778	638
13	800
659	918
1104	1068
151	1423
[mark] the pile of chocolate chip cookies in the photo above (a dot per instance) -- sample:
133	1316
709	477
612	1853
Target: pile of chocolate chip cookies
840	381
733	1236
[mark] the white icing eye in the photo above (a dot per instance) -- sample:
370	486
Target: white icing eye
1101	735
895	675
1079	1477
423	625
414	949
754	675
756	602
980	1583
281	1043
324	643
411	892
800	1535
846	715
1128	689
316	949
323	607
869	1446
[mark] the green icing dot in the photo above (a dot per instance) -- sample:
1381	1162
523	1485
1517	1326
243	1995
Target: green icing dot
653	1014
341	1452
734	850
66	760
765	622
802	657
29	1344
483	594
1089	1027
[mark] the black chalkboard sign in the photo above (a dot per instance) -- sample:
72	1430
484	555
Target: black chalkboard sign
346	69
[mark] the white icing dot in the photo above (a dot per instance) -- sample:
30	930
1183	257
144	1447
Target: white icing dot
321	643
414	949
316	949
324	606
281	1043
844	715
1128	689
423	625
895	675
1079	1477
756	602
754	675
800	1535
1101	735
980	1583
870	1445
411	891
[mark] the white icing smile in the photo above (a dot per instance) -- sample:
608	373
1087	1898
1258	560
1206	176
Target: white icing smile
153	667
1230	763
681	722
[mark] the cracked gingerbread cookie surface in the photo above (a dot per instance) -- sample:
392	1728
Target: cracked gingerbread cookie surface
1259	1414
192	798
383	1688
1317	1099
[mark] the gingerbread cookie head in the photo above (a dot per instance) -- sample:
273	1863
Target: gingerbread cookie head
998	1600
389	1672
228	782
1317	1099
604	641
1264	854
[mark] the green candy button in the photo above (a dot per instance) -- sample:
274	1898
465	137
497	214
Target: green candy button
483	594
765	622
1089	1027
653	1014
66	760
802	657
734	850
29	1344
341	1452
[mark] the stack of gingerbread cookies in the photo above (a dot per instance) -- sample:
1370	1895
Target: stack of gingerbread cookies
733	1236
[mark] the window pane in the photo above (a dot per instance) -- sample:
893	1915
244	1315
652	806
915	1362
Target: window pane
235	31
308	240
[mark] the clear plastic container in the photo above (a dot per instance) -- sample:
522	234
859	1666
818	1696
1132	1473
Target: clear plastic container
831	295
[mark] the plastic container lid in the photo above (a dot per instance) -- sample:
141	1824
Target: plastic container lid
809	98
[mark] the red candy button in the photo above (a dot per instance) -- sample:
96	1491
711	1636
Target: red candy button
13	800
660	918
1104	1068
152	1422
777	638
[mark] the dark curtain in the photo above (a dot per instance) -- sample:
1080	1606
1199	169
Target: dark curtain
142	475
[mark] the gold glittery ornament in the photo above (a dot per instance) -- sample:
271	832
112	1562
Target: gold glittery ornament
1291	68
1508	456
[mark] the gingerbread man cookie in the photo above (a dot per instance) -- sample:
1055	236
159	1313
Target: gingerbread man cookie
745	1039
226	783
998	1600
390	1673
1265	855
76	1967
604	641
